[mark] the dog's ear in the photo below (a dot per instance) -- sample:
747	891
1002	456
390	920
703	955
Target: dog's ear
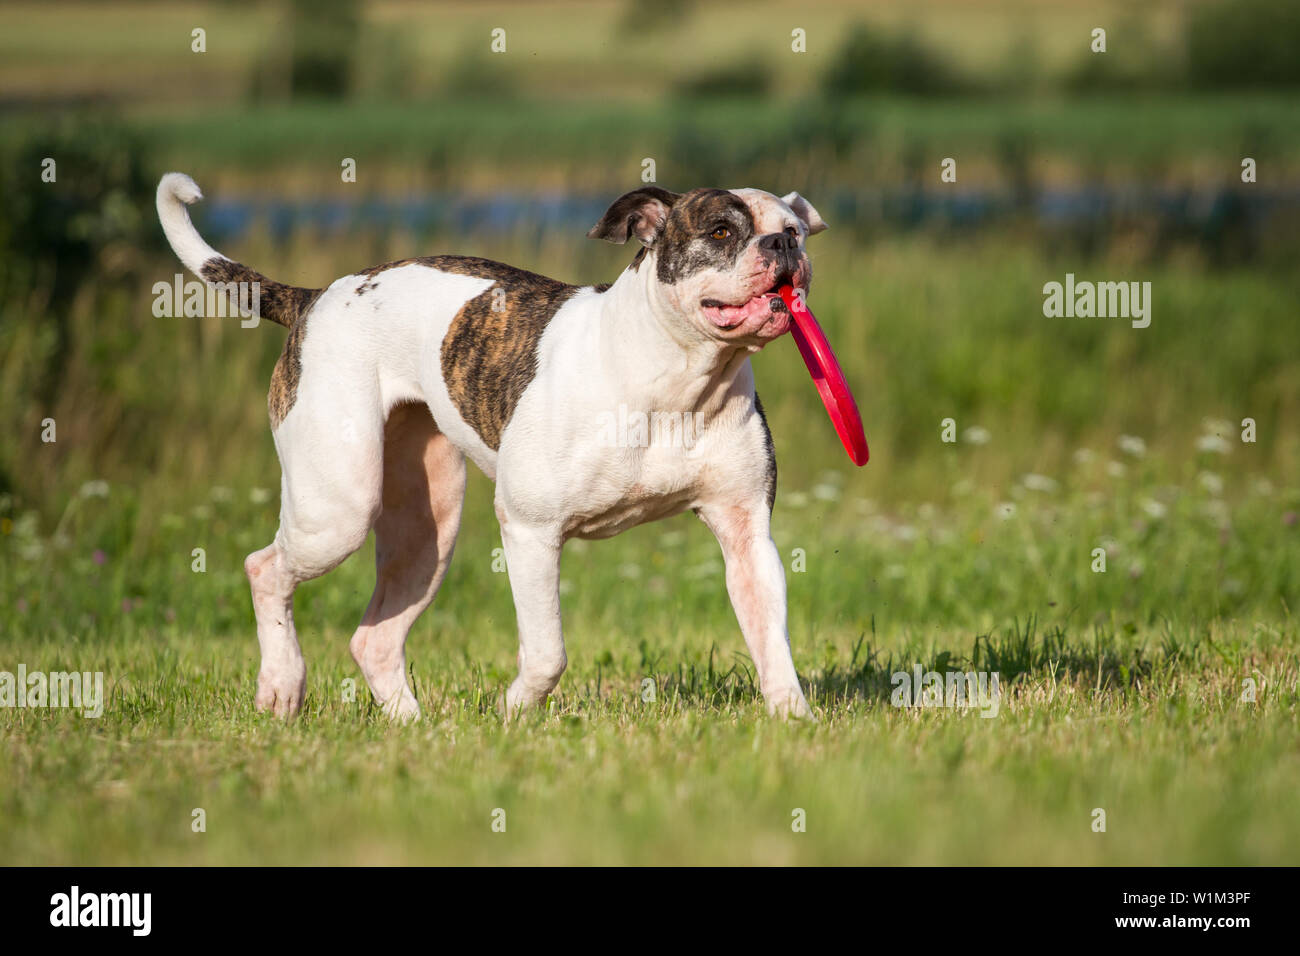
810	217
640	213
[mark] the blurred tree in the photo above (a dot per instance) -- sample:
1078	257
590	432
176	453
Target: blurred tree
870	62
1244	43
324	36
744	78
319	59
642	19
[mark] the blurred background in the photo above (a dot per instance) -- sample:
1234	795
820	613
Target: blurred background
1124	165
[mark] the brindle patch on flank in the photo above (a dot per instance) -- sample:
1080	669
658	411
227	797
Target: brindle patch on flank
770	477
489	355
288	370
282	304
685	246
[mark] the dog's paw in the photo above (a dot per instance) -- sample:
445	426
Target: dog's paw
789	703
281	692
521	698
402	708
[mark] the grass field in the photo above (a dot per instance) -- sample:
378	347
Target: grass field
1122	690
1135	709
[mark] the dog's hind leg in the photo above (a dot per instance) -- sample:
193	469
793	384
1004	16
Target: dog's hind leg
423	490
331	462
282	678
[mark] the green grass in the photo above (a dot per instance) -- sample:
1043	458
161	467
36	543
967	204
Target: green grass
1117	696
1184	772
1122	690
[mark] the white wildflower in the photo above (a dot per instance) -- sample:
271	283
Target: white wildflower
1213	444
1132	445
825	492
94	489
1040	483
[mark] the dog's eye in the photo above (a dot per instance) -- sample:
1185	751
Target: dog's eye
792	231
722	232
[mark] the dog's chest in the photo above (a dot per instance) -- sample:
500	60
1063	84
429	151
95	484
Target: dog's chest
643	486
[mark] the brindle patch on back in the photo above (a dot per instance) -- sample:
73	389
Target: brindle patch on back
457	265
489	355
685	246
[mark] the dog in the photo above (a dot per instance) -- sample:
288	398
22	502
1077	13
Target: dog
391	377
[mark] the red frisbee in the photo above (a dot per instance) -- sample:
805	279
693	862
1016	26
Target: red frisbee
827	376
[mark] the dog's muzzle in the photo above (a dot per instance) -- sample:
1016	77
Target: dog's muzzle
783	249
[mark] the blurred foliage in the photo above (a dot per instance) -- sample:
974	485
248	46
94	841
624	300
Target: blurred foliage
1225	44
322	36
319	59
89	232
870	61
1134	60
639	18
741	78
473	75
1244	43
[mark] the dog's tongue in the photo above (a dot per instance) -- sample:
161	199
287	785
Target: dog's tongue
729	316
827	376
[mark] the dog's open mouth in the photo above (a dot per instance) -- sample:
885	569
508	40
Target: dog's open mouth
728	315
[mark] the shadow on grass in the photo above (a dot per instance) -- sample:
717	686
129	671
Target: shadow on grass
1019	651
1102	662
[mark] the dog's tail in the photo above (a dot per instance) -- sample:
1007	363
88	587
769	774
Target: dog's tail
249	290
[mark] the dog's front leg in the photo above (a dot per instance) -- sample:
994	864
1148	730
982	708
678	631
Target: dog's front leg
756	584
533	562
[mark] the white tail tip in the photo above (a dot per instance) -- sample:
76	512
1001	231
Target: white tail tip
179	186
175	192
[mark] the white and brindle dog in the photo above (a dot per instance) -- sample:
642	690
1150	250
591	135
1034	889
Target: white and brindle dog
391	377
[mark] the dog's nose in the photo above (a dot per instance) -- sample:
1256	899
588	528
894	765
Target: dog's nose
779	242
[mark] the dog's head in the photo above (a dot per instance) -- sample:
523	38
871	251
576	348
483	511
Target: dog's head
719	255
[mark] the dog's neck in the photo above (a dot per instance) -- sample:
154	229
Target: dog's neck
660	357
